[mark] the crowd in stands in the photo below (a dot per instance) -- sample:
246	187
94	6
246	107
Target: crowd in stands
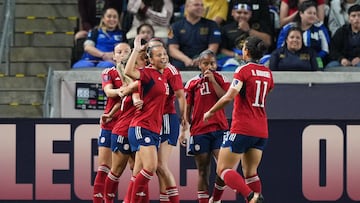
328	31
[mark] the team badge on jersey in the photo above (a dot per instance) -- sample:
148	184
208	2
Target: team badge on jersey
105	78
236	84
118	37
204	31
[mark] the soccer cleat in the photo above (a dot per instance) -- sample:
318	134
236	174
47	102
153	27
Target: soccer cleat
211	200
257	198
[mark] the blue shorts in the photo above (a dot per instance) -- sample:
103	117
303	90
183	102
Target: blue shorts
139	136
104	139
120	143
241	143
170	129
206	143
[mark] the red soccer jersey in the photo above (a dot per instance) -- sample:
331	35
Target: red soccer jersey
153	93
175	83
110	76
249	116
126	114
200	97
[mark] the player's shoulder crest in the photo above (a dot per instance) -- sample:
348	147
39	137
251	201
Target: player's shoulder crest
105	77
108	73
235	83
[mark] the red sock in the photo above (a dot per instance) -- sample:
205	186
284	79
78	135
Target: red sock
111	185
173	194
234	180
127	198
254	183
147	198
217	192
99	183
140	192
164	198
203	196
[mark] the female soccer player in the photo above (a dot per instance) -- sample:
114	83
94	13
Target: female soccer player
144	131
110	86
202	92
249	130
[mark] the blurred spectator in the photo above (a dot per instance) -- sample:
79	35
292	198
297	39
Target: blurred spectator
178	10
157	13
274	11
338	15
315	34
293	56
289	9
146	31
101	41
116	4
260	13
87	12
126	18
345	44
216	10
234	34
191	35
90	12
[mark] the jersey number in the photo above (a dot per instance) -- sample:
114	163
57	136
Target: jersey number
261	87
204	89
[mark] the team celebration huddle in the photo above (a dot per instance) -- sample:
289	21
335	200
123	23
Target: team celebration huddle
150	109
141	126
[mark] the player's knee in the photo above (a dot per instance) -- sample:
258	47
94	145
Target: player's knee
220	171
249	173
160	170
150	167
204	172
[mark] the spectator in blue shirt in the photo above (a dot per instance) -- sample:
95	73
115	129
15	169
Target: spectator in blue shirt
191	35
315	35
101	42
293	56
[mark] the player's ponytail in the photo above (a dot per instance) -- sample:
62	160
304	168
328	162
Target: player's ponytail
256	47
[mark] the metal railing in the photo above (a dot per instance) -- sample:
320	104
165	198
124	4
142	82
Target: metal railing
47	104
6	35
